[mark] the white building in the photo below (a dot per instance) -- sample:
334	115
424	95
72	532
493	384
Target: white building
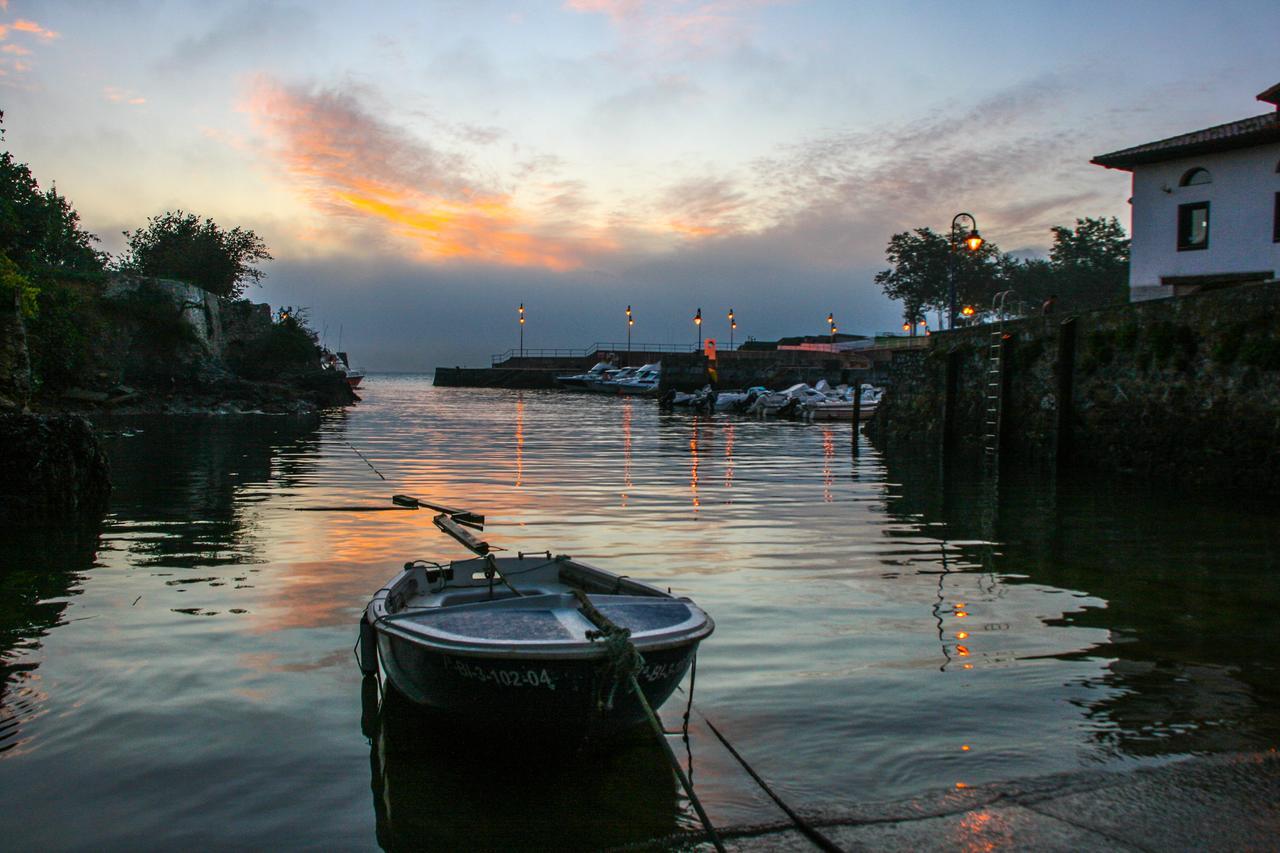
1206	206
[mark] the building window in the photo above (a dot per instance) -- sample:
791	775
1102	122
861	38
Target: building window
1195	177
1193	226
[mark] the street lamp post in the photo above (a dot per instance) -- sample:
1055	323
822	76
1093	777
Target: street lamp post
733	324
831	325
631	321
522	330
697	324
973	242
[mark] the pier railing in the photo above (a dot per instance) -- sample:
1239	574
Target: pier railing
597	347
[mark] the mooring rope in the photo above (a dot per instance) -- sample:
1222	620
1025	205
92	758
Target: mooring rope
625	661
366	461
820	840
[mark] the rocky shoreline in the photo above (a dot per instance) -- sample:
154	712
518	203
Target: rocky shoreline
148	347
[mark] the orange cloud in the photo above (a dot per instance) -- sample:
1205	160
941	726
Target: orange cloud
16	50
615	9
122	96
24	26
692	24
350	164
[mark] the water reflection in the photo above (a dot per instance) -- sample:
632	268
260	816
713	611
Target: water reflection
435	788
626	449
1185	589
519	441
185	489
183	499
728	455
40	570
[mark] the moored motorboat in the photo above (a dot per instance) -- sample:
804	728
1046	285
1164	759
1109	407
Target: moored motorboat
339	363
580	381
532	640
643	381
607	383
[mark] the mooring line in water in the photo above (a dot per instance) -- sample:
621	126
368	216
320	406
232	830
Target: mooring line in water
626	661
820	840
366	461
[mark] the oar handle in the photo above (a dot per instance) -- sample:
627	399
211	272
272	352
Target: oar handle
451	527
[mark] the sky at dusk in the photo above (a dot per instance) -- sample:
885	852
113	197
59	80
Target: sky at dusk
420	169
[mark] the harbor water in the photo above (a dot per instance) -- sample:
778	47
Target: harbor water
182	675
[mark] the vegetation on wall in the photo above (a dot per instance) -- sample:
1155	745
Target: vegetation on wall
78	335
288	347
182	246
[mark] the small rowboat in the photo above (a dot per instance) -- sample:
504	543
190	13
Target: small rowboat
532	640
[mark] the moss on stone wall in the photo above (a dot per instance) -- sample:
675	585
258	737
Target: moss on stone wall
1185	389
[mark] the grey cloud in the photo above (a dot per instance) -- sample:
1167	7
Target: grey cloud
246	27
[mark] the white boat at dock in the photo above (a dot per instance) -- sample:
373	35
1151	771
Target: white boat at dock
644	381
581	381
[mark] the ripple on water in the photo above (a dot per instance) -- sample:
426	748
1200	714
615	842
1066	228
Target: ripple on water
879	634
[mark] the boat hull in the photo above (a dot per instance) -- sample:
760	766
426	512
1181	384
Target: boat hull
546	693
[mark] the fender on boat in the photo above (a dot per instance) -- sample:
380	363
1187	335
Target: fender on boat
367	646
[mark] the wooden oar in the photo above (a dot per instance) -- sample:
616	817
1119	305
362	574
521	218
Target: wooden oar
462	516
378	508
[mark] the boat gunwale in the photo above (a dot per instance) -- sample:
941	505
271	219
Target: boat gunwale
379	617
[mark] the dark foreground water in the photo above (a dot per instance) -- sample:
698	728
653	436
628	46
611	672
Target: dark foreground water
183	677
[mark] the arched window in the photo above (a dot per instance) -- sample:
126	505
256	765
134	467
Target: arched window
1195	177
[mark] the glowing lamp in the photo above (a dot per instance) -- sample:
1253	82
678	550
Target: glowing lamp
906	327
697	318
967	311
974	241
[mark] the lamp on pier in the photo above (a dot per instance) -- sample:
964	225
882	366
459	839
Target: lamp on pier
522	330
733	324
973	242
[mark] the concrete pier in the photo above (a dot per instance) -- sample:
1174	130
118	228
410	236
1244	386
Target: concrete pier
685	371
1223	802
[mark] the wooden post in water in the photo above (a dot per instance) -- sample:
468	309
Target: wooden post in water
857	414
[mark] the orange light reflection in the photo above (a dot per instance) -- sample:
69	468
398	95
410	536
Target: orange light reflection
728	456
693	464
519	441
626	447
828	453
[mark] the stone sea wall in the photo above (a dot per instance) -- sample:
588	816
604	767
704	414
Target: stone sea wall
1184	390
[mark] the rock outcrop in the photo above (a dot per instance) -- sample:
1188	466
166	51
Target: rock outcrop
52	469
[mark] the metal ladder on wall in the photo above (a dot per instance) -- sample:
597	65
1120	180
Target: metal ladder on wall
993	407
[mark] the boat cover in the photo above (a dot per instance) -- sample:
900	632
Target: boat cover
556	621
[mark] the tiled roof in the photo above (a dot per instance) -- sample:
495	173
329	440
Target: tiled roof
1247	132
